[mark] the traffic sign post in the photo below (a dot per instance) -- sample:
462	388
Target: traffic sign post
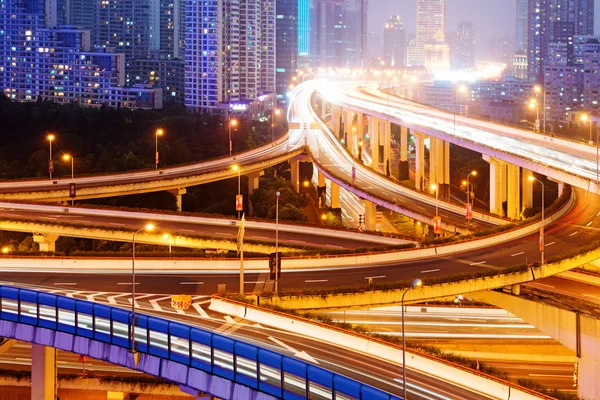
469	211
239	202
437	225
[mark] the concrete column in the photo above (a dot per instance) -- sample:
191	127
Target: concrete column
335	195
46	241
43	372
497	185
446	169
178	193
253	183
513	205
526	189
321	179
374	135
360	128
321	190
348	124
370	216
387	143
435	155
403	167
323	108
419	159
295	174
588	370
336	113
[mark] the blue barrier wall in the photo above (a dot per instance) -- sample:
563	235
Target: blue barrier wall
189	356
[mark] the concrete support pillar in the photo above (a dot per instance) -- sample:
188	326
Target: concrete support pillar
323	108
526	189
295	174
359	132
498	191
370	216
403	167
321	179
513	201
588	370
336	113
419	159
374	135
253	183
348	124
335	195
446	169
46	241
43	372
321	190
387	143
178	193
435	158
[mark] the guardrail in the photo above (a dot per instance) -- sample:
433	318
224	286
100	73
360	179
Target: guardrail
243	363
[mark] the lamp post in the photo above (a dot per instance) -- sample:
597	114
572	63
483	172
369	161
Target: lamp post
459	89
239	171
534	104
50	161
232	122
542	242
538	89
147	227
416	283
168	236
277	194
588	118
68	157
159	132
474	173
275	112
434	187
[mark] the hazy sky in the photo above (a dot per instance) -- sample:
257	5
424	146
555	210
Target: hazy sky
491	17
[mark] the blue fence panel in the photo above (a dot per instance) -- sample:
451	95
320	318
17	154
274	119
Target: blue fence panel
246	363
10	303
201	342
180	343
85	311
66	314
28	306
294	379
158	337
270	372
48	312
121	328
102	324
347	386
321	382
223	359
371	393
141	333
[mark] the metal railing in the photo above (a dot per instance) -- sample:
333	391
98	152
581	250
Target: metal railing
249	365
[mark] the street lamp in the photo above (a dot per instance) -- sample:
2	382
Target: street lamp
147	227
277	242
50	162
5	250
460	89
275	112
542	242
586	118
159	132
434	187
68	157
533	104
232	122
416	283
239	171
474	173
168	236
538	89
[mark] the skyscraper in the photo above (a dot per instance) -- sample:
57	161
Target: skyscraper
431	18
287	44
394	42
522	41
304	32
554	21
462	49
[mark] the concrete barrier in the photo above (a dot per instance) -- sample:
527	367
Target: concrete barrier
460	376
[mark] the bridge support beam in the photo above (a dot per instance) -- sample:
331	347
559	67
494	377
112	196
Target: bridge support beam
513	202
253	183
295	174
335	195
348	125
178	193
336	113
403	167
505	186
370	215
439	166
46	241
387	143
360	128
526	189
374	136
43	372
419	160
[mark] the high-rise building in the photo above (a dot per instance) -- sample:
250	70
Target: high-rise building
522	41
431	18
287	44
462	46
304	32
394	42
339	31
437	53
554	21
230	54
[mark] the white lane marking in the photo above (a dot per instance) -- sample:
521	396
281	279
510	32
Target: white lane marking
574	233
589	223
65	283
550	244
48	218
430	270
478	263
253	282
375	277
127	283
517	254
73	293
90	297
551	376
154	302
592	296
315	280
298	354
200	310
191	283
113	299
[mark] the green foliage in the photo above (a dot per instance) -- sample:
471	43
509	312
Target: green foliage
264	200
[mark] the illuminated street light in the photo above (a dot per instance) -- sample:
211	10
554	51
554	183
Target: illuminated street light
147	227
50	161
416	283
239	171
474	173
434	187
232	122
5	250
68	157
275	112
539	89
159	132
170	238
